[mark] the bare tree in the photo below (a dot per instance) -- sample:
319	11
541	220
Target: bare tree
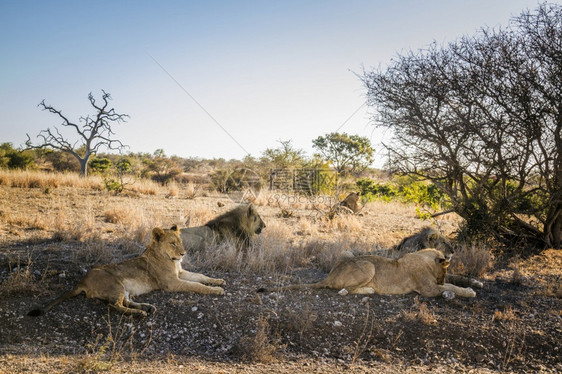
94	132
482	119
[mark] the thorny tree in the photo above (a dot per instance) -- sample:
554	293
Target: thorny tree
482	119
94	132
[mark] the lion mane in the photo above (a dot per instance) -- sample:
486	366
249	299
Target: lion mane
239	225
428	237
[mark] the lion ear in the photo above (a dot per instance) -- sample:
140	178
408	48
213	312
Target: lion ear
158	233
175	228
434	237
250	209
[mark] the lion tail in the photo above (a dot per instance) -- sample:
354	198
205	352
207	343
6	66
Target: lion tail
70	294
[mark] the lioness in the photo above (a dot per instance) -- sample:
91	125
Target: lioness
422	272
239	224
157	268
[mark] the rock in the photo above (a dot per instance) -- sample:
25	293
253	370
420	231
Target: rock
343	292
449	295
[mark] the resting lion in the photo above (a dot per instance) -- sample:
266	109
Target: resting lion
422	272
428	237
352	202
239	224
157	268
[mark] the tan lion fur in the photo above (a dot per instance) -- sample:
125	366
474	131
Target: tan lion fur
422	272
352	202
239	224
157	268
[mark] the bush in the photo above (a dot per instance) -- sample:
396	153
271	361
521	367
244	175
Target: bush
100	165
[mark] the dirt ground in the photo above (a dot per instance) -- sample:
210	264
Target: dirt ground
513	325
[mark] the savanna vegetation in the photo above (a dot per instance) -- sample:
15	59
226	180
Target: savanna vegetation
475	153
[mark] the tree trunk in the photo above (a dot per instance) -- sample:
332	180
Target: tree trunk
83	167
553	228
557	232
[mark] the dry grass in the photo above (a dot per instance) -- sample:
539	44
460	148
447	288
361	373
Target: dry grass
108	225
45	181
262	346
420	313
21	279
472	260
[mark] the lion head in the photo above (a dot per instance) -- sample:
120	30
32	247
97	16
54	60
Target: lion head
167	243
428	237
352	202
241	223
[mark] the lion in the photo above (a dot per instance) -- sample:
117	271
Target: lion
239	224
157	268
428	237
351	202
422	272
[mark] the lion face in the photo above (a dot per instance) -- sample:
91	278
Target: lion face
441	243
255	221
168	242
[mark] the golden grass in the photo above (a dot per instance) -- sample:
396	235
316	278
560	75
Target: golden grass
472	260
44	180
108	225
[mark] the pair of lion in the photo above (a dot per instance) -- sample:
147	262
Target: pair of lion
159	266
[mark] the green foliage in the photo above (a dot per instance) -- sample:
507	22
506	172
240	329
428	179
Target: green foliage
100	165
116	182
285	156
161	168
11	158
345	152
113	185
426	196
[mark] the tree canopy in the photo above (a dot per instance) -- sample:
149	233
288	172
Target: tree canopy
482	118
345	152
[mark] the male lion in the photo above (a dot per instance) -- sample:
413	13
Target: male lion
428	237
422	272
239	224
352	202
158	267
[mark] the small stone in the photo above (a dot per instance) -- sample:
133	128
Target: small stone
343	292
338	324
449	295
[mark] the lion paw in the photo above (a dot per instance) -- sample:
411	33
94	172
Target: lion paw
218	291
476	283
141	314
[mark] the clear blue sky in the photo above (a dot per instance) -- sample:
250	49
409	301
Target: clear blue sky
265	70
